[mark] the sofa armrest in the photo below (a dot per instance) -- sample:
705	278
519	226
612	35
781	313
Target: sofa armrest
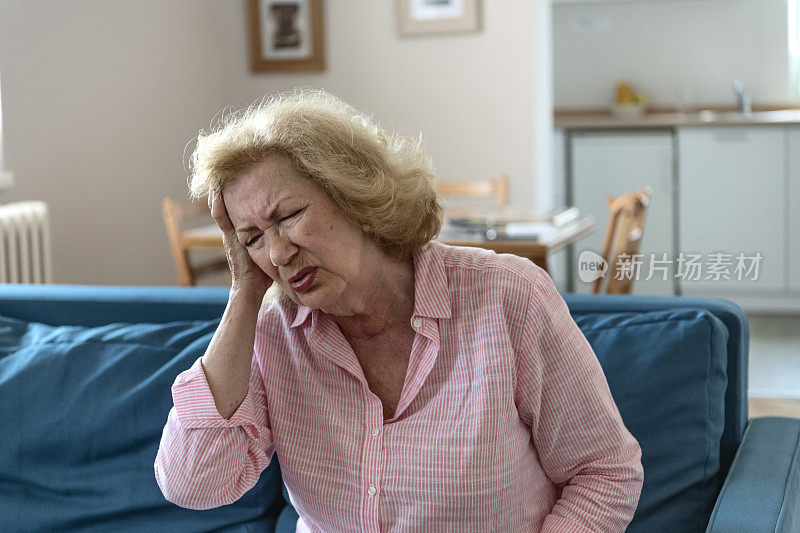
762	490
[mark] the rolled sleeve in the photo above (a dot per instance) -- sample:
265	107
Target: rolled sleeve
194	403
204	460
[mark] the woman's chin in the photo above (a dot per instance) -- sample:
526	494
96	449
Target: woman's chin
320	295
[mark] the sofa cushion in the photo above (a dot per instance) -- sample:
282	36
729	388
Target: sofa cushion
666	371
82	412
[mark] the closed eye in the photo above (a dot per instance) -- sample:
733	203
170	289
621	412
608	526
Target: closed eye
252	240
287	217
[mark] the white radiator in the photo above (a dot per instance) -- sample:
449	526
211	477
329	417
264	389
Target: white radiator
25	255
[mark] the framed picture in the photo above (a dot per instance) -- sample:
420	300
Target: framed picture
286	35
437	16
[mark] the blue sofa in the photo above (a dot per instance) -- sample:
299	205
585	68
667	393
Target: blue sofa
85	375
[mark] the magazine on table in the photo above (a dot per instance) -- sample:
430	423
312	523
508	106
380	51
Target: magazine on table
507	224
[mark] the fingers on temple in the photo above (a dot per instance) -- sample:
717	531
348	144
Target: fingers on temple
219	213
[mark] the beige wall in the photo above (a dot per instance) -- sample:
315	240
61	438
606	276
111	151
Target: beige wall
101	97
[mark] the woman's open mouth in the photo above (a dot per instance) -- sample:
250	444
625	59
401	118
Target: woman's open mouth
302	281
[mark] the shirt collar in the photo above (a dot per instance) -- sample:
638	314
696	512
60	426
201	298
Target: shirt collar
430	286
300	315
431	296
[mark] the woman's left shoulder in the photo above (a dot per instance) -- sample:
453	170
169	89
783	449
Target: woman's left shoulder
520	270
502	271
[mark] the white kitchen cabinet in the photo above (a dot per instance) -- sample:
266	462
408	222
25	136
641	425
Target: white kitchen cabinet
611	163
793	235
731	185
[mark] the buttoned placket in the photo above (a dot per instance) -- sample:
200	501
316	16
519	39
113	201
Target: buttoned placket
423	356
375	428
328	339
371	461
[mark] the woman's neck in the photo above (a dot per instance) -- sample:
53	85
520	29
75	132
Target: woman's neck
384	303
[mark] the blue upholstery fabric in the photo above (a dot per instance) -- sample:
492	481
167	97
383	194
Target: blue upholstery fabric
762	491
287	521
666	371
86	407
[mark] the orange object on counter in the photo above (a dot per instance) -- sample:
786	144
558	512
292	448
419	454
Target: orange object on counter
624	93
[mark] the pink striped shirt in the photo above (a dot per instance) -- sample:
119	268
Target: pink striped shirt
505	421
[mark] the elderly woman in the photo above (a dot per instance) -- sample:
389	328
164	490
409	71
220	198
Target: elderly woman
403	384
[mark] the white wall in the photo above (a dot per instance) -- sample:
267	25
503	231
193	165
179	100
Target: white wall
668	47
100	98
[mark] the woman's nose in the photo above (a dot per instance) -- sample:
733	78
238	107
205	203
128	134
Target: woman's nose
281	249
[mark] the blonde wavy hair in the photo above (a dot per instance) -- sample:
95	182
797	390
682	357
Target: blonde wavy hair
384	183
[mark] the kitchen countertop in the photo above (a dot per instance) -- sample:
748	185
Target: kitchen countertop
672	120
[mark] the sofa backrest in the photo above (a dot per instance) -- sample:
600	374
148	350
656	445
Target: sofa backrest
77	305
639	341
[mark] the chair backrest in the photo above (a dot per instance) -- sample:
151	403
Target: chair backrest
494	188
175	214
623	241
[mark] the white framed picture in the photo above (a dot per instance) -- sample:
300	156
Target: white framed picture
437	16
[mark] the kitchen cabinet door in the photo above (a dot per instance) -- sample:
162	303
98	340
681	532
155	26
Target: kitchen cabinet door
607	164
731	190
793	234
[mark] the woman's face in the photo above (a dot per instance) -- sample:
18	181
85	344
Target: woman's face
296	234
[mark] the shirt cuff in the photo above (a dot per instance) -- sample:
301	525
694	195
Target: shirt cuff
194	403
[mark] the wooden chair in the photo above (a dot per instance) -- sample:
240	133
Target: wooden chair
623	239
176	214
496	189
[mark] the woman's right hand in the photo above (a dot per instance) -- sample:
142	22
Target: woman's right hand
245	274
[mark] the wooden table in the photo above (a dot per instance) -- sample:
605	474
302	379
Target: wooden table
537	250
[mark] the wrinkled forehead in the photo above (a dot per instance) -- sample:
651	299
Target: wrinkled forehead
269	177
266	189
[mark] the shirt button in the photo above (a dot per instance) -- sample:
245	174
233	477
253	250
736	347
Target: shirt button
417	322
372	490
375	432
